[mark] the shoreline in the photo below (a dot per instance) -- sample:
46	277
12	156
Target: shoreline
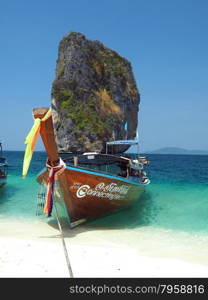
35	250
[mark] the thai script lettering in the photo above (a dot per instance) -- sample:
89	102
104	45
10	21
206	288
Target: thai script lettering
111	191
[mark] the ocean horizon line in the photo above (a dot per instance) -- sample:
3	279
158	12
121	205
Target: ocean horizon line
128	153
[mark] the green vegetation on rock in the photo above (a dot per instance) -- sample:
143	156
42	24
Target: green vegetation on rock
83	115
93	89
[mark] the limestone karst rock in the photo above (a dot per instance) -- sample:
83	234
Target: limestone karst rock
94	95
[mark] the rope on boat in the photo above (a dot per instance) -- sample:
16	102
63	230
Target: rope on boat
64	245
50	203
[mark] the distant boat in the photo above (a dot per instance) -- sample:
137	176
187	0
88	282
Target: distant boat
3	168
87	185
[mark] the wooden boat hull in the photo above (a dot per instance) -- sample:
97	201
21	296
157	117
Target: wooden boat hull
88	195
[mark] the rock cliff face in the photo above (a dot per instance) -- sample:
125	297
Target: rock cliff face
94	95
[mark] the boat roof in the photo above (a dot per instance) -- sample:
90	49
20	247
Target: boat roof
97	159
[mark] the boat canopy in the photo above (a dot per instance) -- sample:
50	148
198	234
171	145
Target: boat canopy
123	142
97	159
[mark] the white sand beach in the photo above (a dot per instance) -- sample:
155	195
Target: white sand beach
35	250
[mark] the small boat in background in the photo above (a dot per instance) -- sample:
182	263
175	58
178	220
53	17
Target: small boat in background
86	185
3	167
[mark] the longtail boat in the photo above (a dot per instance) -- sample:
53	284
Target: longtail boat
3	168
86	185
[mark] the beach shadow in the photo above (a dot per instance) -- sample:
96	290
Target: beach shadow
135	216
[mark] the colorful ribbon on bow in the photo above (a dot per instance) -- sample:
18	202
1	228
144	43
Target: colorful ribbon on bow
31	140
54	171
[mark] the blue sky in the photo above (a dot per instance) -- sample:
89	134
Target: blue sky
166	42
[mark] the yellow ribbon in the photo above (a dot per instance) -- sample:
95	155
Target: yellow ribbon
31	140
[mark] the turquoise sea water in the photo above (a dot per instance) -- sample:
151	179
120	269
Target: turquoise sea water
176	199
18	196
